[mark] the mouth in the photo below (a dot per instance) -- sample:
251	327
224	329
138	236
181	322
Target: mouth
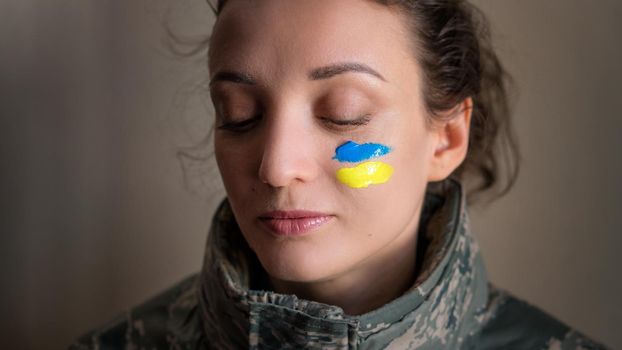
293	222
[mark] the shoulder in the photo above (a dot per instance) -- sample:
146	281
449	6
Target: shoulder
167	320
512	323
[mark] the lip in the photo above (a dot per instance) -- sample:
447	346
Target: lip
293	222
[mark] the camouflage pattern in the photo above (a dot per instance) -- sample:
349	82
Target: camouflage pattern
450	306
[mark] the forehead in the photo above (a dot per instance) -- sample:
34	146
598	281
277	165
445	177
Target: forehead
285	38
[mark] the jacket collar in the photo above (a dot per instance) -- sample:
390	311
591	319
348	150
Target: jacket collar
437	312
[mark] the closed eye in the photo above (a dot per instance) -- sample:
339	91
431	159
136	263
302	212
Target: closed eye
242	126
362	120
248	123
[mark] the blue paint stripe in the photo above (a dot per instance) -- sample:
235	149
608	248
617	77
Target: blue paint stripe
353	152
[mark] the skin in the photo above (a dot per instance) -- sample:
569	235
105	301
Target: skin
365	255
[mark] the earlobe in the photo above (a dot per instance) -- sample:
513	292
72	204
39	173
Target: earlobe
451	141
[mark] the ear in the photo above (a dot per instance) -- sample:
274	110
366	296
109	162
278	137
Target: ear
451	140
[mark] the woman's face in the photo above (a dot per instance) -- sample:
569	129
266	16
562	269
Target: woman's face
292	75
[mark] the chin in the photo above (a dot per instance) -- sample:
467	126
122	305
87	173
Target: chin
294	265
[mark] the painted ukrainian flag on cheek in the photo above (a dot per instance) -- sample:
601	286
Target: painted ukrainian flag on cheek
366	173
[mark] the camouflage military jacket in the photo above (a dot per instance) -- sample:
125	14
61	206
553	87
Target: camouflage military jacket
450	306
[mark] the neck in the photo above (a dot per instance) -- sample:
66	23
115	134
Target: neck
377	280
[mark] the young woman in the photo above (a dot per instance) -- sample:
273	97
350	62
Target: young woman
347	133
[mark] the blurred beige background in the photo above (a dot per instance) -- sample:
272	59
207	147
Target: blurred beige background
97	215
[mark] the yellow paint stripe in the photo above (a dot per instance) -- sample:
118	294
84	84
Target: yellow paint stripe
365	174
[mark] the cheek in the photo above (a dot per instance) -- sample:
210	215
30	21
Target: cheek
388	208
394	200
234	163
369	171
370	176
397	163
414	142
411	167
413	158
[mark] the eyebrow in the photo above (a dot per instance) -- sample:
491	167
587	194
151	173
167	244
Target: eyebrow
330	71
325	72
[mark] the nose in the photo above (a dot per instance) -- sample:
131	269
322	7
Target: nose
289	152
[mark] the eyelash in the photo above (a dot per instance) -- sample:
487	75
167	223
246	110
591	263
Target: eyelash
245	125
362	120
239	127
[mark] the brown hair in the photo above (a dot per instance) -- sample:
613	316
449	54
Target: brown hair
453	47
